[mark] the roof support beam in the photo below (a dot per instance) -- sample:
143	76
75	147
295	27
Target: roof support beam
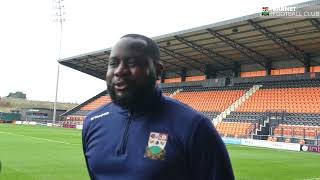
286	45
184	56
210	72
107	52
178	57
183	74
315	23
85	70
268	68
103	61
167	62
91	65
207	52
174	65
236	69
253	55
87	63
163	76
99	59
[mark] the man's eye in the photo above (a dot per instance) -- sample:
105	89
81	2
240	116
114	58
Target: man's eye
113	64
131	62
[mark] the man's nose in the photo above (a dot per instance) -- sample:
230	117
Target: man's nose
122	69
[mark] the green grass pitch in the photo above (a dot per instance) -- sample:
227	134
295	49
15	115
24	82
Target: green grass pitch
48	153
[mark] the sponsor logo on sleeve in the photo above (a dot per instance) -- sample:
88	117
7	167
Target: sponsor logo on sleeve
99	116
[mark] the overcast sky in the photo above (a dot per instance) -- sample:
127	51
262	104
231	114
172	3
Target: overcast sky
29	38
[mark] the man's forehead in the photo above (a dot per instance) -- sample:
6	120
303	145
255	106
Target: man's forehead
128	44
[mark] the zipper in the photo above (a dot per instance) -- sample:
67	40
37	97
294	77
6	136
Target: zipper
125	136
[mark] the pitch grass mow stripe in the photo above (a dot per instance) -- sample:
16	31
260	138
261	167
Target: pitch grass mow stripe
41	153
24	158
43	139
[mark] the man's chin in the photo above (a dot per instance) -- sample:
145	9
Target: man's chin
122	98
120	94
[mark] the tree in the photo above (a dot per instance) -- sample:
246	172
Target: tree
18	94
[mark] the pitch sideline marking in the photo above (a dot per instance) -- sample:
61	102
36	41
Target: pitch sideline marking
49	140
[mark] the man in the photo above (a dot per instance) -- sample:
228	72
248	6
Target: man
142	135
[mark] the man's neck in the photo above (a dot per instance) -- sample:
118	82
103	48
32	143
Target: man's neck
146	103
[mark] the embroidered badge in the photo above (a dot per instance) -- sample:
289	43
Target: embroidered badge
156	144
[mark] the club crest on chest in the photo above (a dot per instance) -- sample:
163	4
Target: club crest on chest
156	146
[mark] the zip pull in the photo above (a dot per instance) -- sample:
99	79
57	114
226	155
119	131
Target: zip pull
125	135
130	113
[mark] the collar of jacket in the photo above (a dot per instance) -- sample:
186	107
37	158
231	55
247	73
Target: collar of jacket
150	103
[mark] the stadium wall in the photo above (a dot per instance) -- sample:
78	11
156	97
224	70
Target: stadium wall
270	144
39	114
265	144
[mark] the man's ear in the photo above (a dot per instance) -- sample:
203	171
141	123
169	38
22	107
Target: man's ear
159	69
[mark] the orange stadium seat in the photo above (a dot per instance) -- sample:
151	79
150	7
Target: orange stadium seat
296	131
297	100
97	103
235	129
213	100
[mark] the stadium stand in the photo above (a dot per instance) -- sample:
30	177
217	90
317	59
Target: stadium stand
170	91
312	119
235	129
211	114
96	103
172	80
286	99
212	101
72	120
76	115
302	131
297	133
298	100
211	67
195	78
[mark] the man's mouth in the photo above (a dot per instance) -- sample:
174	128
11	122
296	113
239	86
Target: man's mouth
121	86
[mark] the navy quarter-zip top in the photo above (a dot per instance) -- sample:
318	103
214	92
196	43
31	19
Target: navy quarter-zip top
159	139
125	135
